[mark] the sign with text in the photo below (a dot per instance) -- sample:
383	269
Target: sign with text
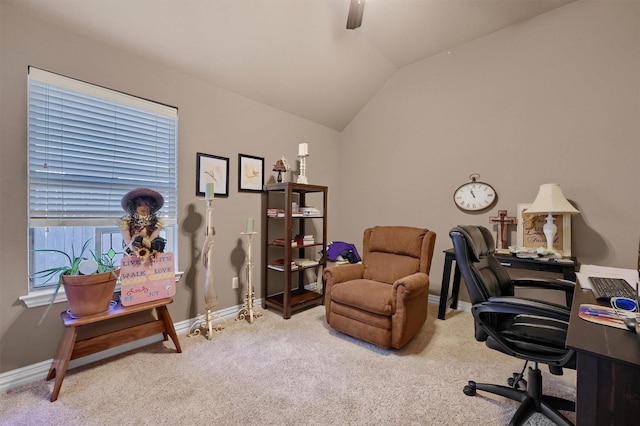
147	279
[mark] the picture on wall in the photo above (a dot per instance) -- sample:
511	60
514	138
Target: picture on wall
212	168
530	234
250	173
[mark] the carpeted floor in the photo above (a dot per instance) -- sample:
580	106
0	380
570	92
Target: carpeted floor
287	372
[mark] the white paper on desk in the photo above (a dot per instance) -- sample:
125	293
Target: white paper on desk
586	271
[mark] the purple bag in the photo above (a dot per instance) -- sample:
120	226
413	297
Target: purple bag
346	250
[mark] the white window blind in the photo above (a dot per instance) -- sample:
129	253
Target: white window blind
88	146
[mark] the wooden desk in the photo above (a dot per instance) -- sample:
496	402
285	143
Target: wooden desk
70	348
567	269
608	369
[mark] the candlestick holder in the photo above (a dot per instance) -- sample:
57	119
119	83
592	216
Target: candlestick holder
302	177
249	310
210	321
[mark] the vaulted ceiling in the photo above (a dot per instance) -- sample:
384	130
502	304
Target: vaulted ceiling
295	55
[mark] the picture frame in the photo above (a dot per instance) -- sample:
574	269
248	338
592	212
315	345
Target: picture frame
212	168
530	234
250	173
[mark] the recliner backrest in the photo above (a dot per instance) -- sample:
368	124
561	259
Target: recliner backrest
394	252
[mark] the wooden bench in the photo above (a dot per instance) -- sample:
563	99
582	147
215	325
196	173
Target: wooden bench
71	348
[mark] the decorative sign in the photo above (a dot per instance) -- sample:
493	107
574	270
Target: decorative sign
145	279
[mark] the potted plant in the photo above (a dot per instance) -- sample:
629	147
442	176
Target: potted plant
89	283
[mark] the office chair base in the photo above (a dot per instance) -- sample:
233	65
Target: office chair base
531	400
517	381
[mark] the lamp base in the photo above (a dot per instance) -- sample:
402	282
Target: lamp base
549	229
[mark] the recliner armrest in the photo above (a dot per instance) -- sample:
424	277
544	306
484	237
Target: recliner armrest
341	273
407	288
413	284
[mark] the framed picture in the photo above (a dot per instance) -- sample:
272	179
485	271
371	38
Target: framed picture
530	234
250	173
211	168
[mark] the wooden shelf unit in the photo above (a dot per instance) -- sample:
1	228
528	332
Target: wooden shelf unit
290	298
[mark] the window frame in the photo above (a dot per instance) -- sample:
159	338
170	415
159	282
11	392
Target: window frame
108	218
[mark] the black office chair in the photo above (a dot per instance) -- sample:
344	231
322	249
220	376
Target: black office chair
528	329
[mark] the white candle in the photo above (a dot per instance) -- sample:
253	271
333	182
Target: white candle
250	226
208	191
303	149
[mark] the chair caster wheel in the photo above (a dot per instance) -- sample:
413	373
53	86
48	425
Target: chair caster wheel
470	389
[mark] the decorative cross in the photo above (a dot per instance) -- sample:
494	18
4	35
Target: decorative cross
502	220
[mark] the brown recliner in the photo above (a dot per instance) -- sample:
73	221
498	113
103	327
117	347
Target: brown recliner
382	300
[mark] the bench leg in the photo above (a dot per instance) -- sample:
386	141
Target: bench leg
61	361
163	313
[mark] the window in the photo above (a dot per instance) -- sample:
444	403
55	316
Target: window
88	146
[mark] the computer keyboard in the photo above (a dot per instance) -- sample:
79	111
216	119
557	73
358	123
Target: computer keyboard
606	288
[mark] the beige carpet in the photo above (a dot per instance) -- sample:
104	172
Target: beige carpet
286	372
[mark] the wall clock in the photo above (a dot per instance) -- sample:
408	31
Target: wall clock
475	196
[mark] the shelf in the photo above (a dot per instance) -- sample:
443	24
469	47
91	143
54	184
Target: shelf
295	217
295	187
296	246
300	299
296	269
286	291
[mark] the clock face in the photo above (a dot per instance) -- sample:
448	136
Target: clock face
475	196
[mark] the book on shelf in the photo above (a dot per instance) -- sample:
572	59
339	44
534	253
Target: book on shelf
278	265
275	212
272	212
303	263
281	242
310	211
305	240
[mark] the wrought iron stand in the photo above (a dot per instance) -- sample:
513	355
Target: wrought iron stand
249	310
210	321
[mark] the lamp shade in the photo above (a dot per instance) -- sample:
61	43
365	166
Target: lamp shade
550	199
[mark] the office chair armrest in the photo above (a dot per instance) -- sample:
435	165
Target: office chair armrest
548	284
551	283
485	316
341	273
517	305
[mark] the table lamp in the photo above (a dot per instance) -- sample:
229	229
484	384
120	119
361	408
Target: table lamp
550	200
280	166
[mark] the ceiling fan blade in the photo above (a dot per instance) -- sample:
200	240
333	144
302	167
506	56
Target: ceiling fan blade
356	9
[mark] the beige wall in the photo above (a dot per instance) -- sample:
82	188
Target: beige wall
553	99
211	120
564	83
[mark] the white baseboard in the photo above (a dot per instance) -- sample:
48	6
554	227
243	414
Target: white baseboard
31	373
462	306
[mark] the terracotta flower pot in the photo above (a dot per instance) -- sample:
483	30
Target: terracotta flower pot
90	294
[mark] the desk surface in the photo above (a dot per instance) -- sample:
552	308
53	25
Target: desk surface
608	369
600	340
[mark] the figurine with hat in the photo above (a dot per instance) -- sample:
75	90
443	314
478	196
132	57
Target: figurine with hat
140	226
